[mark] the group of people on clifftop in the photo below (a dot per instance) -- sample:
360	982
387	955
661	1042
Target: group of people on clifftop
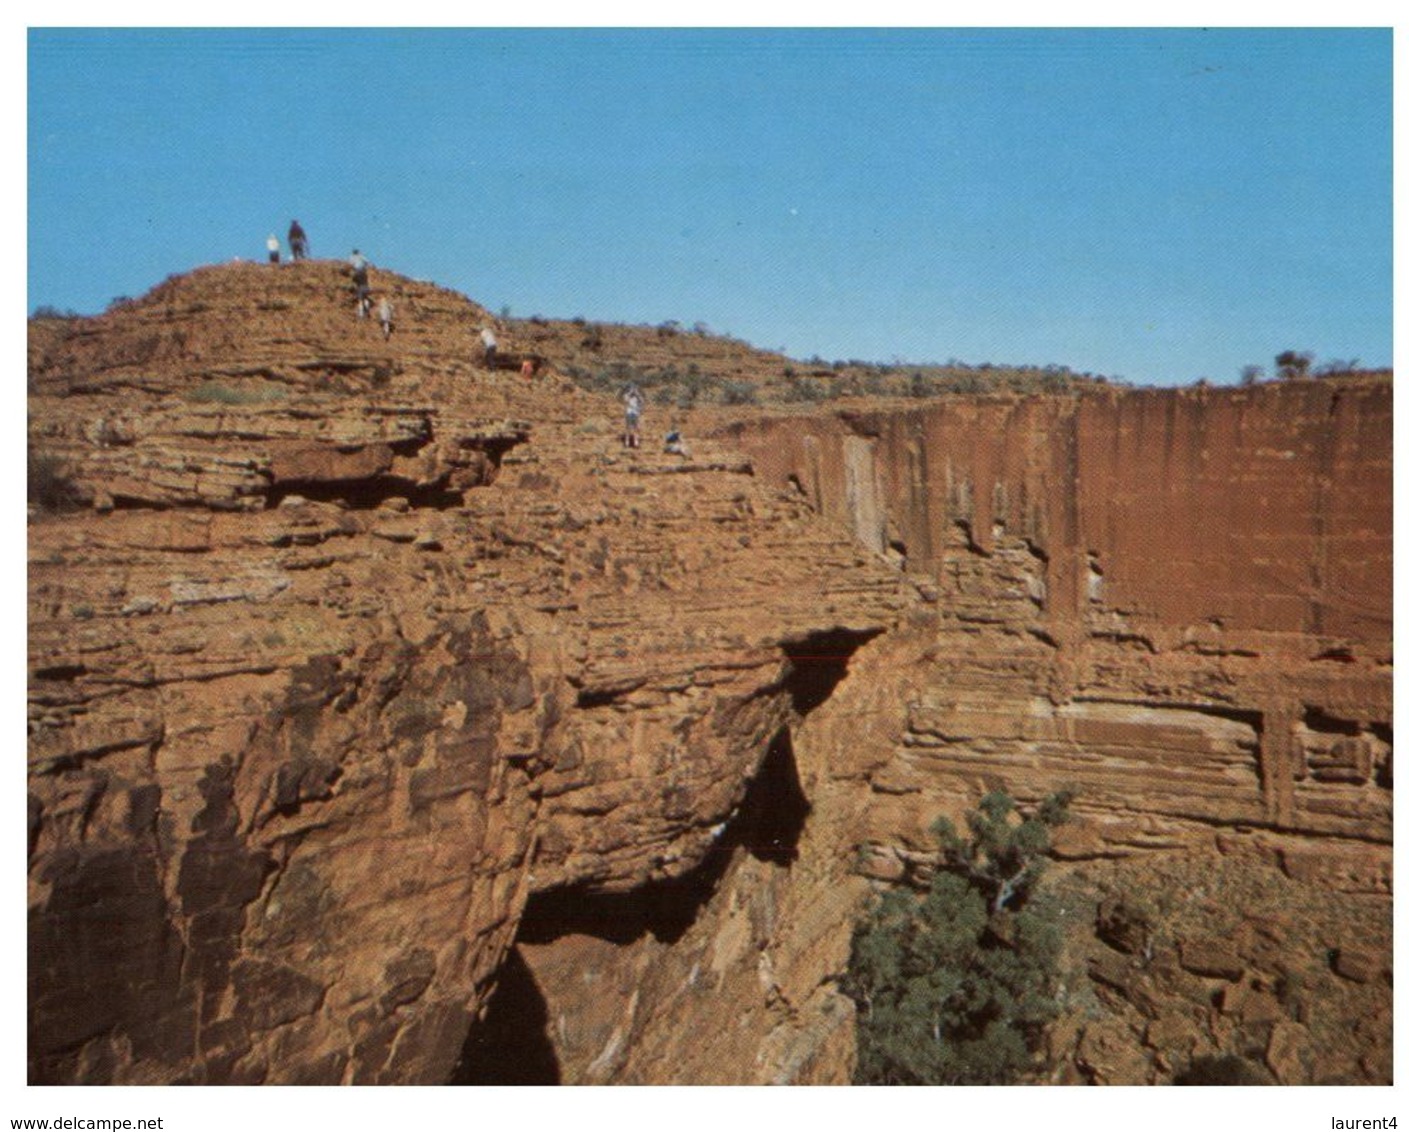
298	244
362	290
634	402
632	398
357	262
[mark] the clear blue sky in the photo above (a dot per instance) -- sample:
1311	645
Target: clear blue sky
1158	205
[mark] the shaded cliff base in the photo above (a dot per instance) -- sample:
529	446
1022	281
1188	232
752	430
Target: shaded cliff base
1169	962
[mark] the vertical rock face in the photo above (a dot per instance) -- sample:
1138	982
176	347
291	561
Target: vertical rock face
1224	856
1178	604
1194	583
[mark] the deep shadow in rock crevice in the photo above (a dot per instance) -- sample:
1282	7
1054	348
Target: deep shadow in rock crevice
366	494
510	1044
817	663
770	820
767	825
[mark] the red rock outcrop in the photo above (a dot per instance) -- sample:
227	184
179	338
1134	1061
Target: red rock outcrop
1179	600
365	681
340	649
1177	603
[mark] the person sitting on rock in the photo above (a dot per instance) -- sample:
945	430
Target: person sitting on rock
675	443
634	403
298	241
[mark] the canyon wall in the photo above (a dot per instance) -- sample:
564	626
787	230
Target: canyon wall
341	649
1176	604
391	723
1179	600
1224	888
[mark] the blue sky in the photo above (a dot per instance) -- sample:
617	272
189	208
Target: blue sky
1160	205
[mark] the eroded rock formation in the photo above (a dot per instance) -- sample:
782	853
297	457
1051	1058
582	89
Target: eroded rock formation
339	674
1194	584
364	681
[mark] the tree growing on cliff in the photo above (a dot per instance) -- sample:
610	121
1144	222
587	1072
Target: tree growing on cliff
956	987
1292	365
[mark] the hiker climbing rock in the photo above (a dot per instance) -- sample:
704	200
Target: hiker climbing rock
491	345
358	262
675	443
526	370
298	241
384	315
634	404
273	245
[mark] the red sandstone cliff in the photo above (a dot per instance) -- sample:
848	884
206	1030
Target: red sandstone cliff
1177	603
1196	582
364	682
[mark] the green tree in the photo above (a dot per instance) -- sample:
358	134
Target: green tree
956	987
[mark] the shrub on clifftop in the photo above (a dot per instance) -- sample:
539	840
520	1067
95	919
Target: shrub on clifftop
956	987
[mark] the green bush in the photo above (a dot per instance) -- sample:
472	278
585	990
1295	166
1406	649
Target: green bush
956	987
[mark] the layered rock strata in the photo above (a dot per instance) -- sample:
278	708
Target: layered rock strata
1177	600
389	722
325	683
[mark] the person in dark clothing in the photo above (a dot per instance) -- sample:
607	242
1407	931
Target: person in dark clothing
298	241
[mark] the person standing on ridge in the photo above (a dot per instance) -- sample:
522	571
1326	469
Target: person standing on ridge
634	403
273	245
298	242
491	346
358	263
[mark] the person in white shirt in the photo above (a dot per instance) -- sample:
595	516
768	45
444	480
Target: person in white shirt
634	404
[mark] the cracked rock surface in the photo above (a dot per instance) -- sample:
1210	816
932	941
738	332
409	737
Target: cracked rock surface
389	722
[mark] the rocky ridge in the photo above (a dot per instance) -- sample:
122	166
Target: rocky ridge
343	648
365	681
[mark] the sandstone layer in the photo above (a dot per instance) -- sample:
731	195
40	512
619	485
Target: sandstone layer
390	722
343	648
